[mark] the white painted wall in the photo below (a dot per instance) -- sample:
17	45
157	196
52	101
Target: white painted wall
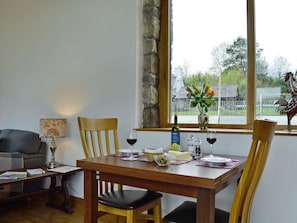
69	58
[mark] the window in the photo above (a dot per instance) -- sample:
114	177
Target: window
215	42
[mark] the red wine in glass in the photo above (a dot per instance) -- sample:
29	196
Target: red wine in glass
132	139
211	138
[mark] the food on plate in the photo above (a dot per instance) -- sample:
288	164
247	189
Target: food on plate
174	147
149	153
177	155
163	160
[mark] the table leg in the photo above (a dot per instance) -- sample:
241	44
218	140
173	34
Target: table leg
51	194
90	196
66	205
205	206
64	190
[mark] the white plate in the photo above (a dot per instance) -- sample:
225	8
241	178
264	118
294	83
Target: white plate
216	160
128	151
144	159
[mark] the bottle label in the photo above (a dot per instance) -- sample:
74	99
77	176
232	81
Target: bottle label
175	138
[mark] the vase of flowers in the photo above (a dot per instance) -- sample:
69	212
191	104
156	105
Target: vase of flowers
203	121
202	98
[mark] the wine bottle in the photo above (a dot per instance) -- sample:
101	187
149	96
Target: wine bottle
175	134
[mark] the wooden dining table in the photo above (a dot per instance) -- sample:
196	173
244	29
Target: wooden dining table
187	179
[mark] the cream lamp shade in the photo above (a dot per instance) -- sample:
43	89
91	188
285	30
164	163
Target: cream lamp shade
52	127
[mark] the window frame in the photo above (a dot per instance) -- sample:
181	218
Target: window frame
164	75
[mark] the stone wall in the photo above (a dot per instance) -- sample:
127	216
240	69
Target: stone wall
150	79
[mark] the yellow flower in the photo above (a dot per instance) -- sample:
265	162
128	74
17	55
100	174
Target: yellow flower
196	90
207	88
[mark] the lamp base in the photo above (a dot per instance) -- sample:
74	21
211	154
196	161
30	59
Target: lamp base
52	164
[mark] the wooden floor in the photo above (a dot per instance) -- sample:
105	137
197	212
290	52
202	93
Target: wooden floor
36	211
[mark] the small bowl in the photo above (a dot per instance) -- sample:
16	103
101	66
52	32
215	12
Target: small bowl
150	155
163	159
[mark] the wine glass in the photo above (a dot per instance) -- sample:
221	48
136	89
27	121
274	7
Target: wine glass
131	139
211	138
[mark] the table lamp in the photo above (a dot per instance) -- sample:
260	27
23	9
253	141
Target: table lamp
52	128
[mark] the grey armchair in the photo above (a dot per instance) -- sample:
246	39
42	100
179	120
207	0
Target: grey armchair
21	149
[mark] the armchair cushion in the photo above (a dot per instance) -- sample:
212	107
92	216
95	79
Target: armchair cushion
20	141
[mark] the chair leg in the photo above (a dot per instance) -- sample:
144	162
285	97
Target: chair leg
130	217
157	212
118	218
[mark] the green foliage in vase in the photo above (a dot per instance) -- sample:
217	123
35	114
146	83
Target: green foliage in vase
201	98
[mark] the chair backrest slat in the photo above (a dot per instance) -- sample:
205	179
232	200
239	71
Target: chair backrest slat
91	132
263	133
99	137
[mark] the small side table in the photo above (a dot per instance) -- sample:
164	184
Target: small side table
65	172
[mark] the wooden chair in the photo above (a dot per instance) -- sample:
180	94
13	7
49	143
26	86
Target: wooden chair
99	137
263	133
